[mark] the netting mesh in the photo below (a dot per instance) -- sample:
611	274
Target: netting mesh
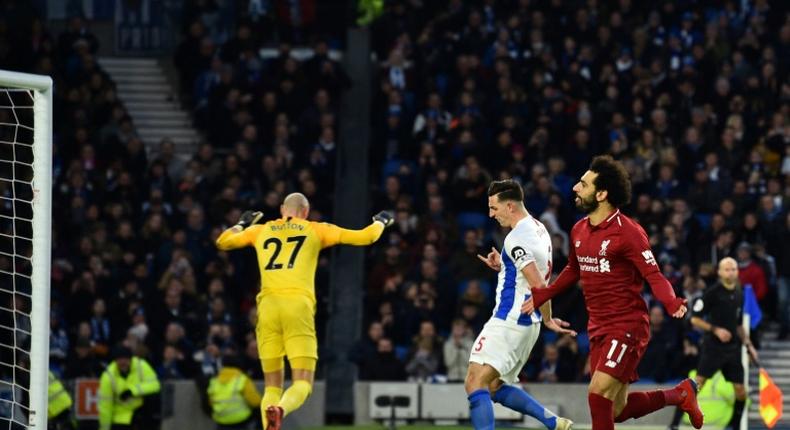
16	249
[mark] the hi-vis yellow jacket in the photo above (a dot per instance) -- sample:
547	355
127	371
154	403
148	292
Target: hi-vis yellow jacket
141	381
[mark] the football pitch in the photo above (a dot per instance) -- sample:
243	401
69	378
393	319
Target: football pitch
435	427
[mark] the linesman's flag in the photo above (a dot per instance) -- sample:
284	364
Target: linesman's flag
770	400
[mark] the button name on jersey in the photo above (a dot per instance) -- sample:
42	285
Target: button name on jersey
286	226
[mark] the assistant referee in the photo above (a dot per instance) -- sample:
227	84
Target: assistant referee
719	313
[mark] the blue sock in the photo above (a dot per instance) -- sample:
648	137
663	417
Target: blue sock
481	410
517	399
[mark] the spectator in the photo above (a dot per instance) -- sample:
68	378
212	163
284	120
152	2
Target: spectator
82	362
385	366
364	351
100	329
58	341
424	363
657	363
464	263
553	367
456	351
750	273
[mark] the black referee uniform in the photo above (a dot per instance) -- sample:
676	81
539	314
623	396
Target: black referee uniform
723	308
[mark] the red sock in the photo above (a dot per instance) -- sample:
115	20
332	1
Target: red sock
601	410
641	403
673	396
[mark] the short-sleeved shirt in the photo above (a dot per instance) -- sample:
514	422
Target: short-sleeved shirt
723	308
529	242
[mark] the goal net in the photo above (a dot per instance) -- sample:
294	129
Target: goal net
25	248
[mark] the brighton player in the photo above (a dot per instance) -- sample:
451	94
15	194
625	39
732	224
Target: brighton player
611	256
504	344
287	250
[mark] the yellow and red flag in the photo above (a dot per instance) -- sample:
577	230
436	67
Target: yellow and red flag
770	400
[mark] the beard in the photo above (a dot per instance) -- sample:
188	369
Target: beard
587	205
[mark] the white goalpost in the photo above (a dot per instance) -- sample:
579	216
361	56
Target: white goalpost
25	247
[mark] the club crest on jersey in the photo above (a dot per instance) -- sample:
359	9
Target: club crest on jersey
578	243
604	245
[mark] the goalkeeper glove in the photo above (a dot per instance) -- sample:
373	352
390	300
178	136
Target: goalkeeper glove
249	218
384	217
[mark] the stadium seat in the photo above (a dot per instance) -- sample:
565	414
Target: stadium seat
471	220
703	220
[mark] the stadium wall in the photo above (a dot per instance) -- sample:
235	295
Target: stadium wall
431	403
440	406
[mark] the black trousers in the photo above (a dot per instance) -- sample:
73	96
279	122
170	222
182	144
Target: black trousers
61	422
146	417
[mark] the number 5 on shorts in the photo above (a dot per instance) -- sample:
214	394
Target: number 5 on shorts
612	363
479	345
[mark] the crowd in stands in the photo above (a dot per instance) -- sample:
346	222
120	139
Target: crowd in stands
693	98
134	260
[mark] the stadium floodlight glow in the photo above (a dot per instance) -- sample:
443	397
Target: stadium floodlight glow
25	247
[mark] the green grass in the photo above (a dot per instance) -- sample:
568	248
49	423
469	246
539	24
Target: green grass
375	427
430	427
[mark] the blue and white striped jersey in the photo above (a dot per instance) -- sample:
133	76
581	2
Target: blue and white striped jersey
528	242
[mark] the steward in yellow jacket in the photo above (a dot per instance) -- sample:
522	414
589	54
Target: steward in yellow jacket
233	397
122	391
59	406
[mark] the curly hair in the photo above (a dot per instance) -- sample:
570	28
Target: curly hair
507	189
613	178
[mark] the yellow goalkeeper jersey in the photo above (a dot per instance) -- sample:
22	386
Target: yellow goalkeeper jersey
288	248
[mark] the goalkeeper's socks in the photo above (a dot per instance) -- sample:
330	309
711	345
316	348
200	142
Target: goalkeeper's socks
481	410
271	396
519	400
641	403
295	396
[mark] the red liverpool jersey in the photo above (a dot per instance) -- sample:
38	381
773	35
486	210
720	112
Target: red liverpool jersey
613	260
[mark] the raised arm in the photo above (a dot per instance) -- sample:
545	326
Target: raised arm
333	235
239	235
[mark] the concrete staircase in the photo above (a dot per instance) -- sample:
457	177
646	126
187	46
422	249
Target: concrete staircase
775	358
151	102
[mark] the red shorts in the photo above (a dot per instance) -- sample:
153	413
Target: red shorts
618	354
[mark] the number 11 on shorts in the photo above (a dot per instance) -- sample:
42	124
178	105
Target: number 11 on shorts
612	363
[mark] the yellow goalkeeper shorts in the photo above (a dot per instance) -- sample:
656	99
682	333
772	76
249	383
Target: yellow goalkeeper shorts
286	327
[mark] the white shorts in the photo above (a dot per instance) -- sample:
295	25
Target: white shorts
505	347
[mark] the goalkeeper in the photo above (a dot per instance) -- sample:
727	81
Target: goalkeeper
287	250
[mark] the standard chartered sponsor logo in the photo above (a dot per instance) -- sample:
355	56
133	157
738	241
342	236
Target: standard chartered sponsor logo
592	264
588	268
